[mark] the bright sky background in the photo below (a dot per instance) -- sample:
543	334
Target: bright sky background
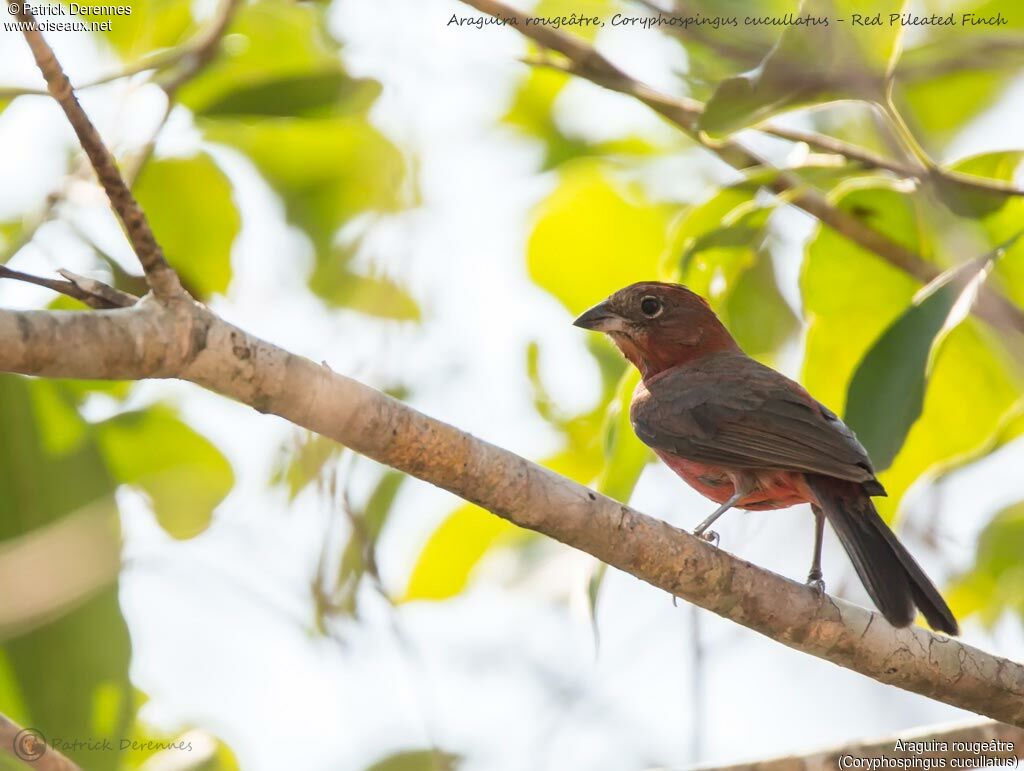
222	624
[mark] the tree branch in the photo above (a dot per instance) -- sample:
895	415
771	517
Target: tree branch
586	62
93	293
184	339
29	747
931	742
161	277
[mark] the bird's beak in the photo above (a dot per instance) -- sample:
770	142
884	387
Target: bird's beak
600	318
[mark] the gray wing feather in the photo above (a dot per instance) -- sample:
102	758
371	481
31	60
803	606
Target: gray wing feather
742	414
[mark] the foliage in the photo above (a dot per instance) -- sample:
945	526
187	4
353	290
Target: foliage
927	390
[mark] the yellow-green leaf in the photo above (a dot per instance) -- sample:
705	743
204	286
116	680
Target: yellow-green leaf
185	476
189	204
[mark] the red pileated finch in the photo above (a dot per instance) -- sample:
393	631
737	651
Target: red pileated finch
744	435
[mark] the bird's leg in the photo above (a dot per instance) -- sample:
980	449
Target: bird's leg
742	490
815	579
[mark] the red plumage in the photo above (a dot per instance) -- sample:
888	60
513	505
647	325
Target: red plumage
744	435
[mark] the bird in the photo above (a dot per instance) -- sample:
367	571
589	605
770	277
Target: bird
746	436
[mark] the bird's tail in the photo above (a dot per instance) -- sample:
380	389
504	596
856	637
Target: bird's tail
891	576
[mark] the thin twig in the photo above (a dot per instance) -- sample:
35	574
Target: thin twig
202	49
93	293
586	62
851	152
197	51
161	277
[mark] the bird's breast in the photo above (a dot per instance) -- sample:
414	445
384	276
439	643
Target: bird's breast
773	488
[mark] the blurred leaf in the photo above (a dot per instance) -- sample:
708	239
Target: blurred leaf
972	385
373	295
326	93
995	583
305	462
152	25
189	204
963	198
281	96
594	235
61	428
60	669
848	63
1000	223
721	243
625	457
755	311
532	113
362	543
445	563
714	259
886	393
418	760
277	61
966	66
185	476
455	548
327	171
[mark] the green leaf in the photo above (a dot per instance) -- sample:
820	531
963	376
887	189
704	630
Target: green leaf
327	171
957	190
152	25
271	43
373	295
446	562
60	669
625	457
362	542
189	204
972	386
325	93
999	223
886	393
532	113
418	760
280	95
594	235
967	66
185	476
305	462
995	583
755	311
723	259
848	62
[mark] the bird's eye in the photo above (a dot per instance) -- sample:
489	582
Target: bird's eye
650	306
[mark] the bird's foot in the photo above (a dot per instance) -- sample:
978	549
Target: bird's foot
816	581
708	535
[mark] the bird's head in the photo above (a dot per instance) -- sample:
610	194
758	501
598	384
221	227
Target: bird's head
658	325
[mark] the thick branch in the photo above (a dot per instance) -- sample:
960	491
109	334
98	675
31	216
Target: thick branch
162	279
933	742
586	62
30	748
183	339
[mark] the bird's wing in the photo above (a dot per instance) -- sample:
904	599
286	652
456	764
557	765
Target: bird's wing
732	411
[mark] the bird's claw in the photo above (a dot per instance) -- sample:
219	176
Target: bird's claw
710	536
816	583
